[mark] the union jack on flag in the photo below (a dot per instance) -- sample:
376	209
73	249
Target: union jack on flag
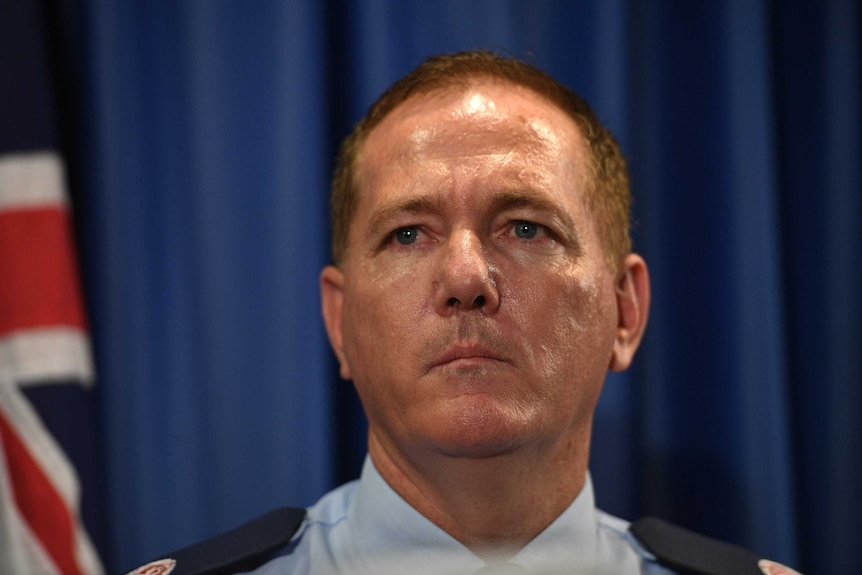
43	332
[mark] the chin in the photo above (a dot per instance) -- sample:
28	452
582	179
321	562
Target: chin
479	430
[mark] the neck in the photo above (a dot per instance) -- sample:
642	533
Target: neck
493	505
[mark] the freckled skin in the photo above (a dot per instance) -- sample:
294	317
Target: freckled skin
533	320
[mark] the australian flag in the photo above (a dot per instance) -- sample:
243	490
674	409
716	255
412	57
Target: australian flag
46	371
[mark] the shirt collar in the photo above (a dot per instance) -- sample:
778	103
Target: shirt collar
571	540
390	535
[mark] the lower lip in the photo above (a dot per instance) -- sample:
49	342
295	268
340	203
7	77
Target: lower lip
467	362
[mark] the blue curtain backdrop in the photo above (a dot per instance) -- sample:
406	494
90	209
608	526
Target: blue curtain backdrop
207	133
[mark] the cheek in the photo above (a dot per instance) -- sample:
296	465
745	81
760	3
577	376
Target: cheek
592	308
571	326
378	315
364	339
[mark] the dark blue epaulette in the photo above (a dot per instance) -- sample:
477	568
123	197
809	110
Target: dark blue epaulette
242	549
689	553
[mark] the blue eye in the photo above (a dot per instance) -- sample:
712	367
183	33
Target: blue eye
406	236
526	230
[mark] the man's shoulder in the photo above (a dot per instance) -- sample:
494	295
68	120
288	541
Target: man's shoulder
241	549
686	552
253	544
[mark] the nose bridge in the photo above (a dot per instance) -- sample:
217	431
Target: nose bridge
466	248
465	276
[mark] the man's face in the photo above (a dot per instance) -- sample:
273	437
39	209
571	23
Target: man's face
475	310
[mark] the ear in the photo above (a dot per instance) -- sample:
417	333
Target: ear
633	294
332	302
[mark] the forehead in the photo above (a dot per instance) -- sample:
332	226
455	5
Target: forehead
481	120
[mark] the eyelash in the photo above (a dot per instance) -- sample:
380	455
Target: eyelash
413	232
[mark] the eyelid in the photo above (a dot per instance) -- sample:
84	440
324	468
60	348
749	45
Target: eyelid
391	238
545	228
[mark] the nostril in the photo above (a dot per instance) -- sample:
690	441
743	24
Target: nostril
452	302
479	301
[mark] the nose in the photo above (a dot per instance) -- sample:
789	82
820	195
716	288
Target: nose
464	279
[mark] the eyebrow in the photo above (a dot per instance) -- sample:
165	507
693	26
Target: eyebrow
420	205
517	198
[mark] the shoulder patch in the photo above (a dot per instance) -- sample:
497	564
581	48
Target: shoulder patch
690	553
160	567
242	549
773	568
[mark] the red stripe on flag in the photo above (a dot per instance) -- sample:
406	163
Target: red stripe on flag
38	502
39	284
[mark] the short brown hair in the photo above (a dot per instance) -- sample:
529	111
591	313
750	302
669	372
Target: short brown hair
608	194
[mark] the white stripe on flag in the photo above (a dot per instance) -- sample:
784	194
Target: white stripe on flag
43	355
33	179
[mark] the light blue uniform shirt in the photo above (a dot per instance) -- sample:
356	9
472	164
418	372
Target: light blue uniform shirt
365	528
